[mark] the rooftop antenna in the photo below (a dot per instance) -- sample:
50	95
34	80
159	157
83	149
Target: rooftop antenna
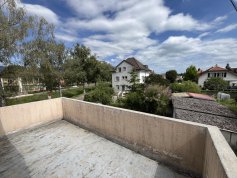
234	4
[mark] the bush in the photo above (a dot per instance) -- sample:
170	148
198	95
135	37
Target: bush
157	100
134	101
72	92
156	79
186	86
154	99
11	90
215	83
101	94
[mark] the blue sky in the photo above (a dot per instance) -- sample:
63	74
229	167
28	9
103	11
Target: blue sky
170	34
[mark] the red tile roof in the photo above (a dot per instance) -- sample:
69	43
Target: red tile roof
200	96
216	68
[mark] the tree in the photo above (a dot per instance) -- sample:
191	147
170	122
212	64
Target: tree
14	74
13	29
135	86
104	71
156	79
171	75
191	74
185	86
216	83
75	67
44	54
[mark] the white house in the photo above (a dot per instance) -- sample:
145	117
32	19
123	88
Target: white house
121	74
228	74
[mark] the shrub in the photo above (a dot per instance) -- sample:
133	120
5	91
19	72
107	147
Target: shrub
156	79
186	86
215	83
157	100
154	99
101	94
72	92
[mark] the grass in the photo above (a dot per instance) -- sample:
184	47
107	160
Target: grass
231	104
69	93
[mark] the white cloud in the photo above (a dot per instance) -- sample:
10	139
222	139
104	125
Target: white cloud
227	28
181	51
117	29
66	37
220	19
149	15
40	11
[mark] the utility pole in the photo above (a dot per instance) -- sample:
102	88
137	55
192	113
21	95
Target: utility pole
234	4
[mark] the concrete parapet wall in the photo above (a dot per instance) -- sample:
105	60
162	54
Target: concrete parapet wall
190	147
177	143
17	117
220	161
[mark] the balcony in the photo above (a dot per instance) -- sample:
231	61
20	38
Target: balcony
70	138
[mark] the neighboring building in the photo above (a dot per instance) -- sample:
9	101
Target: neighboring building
121	74
228	74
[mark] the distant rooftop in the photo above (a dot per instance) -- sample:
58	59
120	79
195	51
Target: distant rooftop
205	112
136	64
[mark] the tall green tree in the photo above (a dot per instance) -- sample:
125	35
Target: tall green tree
14	26
82	67
171	75
44	54
75	67
191	74
135	86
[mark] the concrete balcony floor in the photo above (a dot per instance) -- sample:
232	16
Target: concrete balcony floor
61	149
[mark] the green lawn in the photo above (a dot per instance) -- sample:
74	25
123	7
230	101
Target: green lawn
69	93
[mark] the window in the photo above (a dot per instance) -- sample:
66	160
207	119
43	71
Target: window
117	87
119	69
117	79
124	68
208	75
225	74
124	77
143	78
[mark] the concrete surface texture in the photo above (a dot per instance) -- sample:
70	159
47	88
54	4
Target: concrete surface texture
175	142
61	149
220	160
22	116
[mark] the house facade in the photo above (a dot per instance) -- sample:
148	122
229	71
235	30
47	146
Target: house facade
228	74
121	75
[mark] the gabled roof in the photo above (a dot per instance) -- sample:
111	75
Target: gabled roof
215	68
135	63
